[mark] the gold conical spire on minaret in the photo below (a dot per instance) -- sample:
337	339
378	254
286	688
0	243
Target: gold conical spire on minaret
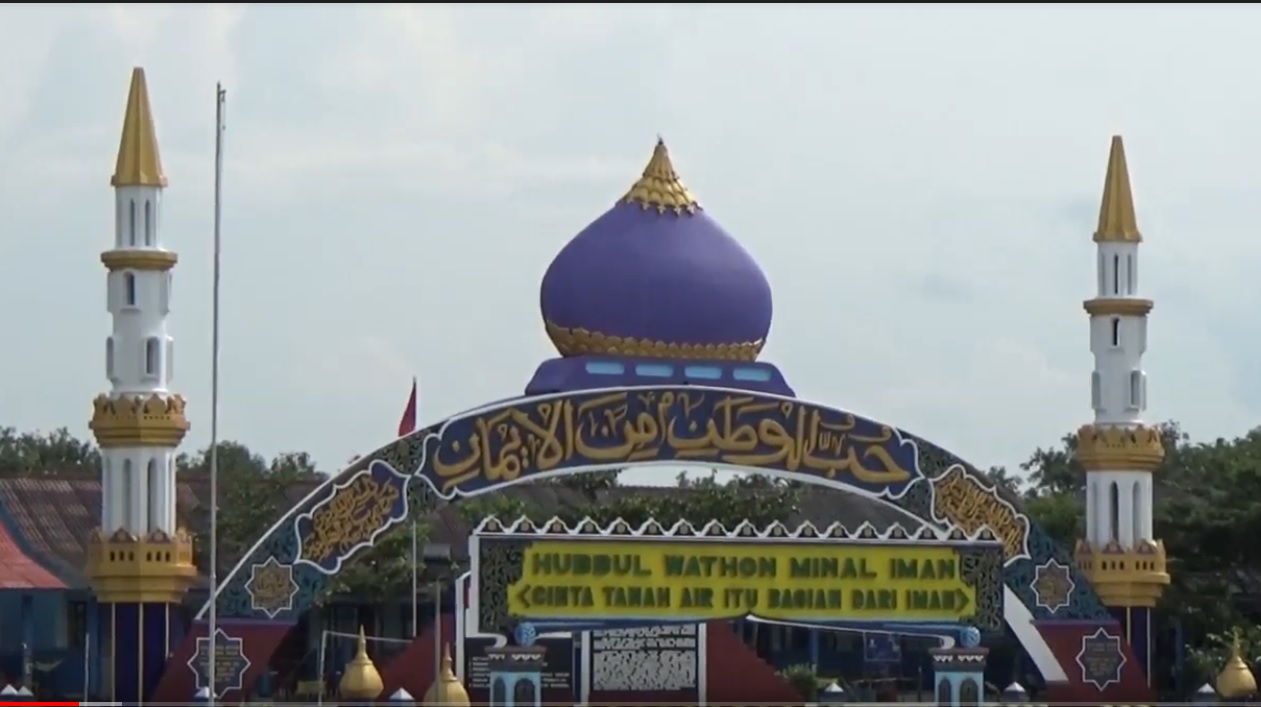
1116	214
138	162
660	187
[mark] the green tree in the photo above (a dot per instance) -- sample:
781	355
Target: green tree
758	498
253	494
53	452
384	571
589	484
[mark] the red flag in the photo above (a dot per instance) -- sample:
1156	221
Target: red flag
407	424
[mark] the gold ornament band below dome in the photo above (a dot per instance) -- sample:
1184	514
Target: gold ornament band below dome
660	187
581	342
1124	577
157	568
1118	448
1104	306
160	260
138	421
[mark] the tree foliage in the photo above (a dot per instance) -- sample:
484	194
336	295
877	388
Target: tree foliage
757	498
45	453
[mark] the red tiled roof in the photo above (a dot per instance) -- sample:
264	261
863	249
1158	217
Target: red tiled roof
54	514
17	571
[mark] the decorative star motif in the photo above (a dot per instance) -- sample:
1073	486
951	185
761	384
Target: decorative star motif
1101	659
1052	585
271	587
231	663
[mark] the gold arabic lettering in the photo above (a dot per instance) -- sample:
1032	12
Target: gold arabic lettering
961	500
271	586
509	443
743	430
349	518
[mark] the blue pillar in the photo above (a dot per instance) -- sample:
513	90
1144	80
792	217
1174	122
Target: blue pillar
124	642
814	647
28	638
1136	626
139	647
92	681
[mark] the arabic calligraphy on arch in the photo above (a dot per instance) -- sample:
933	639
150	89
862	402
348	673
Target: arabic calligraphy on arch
521	438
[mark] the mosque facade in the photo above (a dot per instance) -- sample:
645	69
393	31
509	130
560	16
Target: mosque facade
656	303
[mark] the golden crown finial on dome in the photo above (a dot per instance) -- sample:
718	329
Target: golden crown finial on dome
362	680
138	164
1236	679
1117	222
446	688
660	187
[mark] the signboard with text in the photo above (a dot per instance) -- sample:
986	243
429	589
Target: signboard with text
554	579
558	664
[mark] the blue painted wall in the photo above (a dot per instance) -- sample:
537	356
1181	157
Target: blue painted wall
38	627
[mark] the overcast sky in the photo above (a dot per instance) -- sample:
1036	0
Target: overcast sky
919	183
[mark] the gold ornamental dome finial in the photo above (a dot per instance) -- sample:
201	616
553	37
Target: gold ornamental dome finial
362	680
1236	679
1117	222
139	164
446	688
660	187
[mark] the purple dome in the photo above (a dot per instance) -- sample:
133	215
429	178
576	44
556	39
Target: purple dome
656	276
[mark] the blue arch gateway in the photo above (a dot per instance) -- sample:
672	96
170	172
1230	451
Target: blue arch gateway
673	381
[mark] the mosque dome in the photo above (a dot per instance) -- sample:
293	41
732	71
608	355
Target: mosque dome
656	276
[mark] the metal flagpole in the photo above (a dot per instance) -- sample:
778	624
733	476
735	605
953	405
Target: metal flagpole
437	641
87	664
221	99
415	581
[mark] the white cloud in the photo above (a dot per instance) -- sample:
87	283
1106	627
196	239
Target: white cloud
400	176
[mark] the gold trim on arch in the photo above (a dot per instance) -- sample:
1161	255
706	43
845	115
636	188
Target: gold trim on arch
582	342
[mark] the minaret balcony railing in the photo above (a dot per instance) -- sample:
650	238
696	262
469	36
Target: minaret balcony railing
157	568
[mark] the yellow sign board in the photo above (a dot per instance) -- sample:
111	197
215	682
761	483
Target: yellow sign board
603	580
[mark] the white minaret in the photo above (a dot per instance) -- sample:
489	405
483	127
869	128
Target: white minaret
1118	451
138	475
139	562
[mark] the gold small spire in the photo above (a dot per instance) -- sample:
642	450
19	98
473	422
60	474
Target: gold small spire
660	187
1117	222
362	680
139	164
446	688
1236	679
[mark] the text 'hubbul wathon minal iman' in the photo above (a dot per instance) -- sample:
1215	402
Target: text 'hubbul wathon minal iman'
827	582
